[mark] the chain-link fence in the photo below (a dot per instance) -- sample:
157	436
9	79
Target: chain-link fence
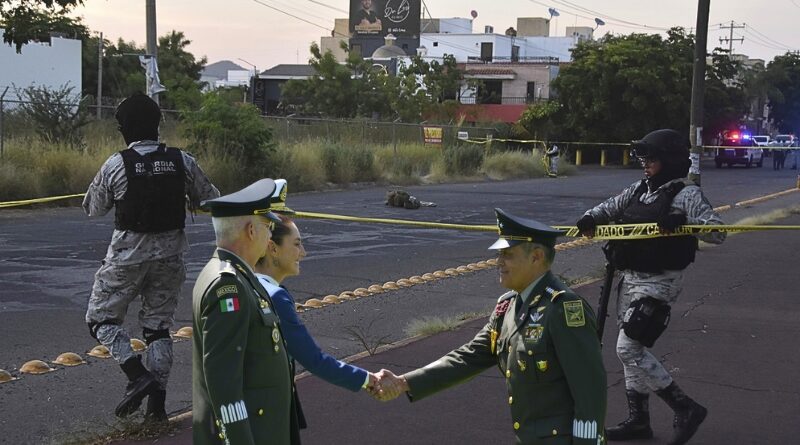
294	129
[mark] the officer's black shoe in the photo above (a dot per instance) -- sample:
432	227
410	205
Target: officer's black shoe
688	413
637	425
141	384
156	407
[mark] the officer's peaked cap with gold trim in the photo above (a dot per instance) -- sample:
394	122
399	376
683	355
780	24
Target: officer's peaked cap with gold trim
515	230
278	199
252	200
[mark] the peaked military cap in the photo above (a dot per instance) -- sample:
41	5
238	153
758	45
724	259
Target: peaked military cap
278	199
251	200
515	230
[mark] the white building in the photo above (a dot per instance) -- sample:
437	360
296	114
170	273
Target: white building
51	65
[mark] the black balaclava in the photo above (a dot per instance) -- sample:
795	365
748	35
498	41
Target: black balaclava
138	117
669	147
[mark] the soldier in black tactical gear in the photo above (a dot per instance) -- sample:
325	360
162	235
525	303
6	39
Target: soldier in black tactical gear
651	273
147	183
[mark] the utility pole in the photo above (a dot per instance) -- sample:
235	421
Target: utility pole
100	77
730	39
698	90
152	48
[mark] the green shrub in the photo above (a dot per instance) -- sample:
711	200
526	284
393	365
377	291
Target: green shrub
348	163
235	130
18	183
463	160
512	165
300	164
411	162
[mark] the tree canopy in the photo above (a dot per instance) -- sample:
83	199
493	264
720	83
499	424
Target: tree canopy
421	89
24	21
622	87
782	77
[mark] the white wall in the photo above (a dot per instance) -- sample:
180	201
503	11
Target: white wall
50	65
463	46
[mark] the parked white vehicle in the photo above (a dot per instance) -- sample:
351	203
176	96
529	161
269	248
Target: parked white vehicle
761	140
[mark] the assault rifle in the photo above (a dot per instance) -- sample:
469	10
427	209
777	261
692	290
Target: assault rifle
605	294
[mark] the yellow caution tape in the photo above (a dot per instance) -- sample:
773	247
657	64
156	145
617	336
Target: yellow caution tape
604	232
38	200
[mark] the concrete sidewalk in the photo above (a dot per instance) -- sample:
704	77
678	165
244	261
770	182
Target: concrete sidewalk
730	345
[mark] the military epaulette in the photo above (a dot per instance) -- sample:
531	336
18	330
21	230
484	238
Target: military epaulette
506	296
226	268
503	303
553	293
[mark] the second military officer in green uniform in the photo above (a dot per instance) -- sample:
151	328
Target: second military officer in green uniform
241	385
543	338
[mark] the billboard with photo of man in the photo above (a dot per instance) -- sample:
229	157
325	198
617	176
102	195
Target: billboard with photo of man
381	17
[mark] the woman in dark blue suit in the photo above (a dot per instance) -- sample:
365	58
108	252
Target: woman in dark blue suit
284	253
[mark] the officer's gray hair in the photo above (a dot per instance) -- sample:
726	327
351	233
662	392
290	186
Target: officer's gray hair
549	252
229	228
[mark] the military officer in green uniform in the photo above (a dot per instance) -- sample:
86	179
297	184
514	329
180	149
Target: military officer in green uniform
242	386
543	338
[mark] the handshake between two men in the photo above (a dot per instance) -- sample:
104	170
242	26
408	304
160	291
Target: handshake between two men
385	385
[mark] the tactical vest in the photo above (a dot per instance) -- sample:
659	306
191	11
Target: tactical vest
156	198
653	255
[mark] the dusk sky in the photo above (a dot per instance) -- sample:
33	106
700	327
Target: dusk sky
249	30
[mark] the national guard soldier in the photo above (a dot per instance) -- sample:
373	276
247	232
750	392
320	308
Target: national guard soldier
543	338
241	384
651	275
148	184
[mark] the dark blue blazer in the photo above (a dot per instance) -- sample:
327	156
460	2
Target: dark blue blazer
304	349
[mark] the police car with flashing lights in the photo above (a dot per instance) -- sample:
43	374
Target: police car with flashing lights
739	148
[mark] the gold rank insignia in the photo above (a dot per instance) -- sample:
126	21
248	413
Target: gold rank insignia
542	365
493	335
573	311
522	365
536	299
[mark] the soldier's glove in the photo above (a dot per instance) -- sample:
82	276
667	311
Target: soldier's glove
668	223
586	226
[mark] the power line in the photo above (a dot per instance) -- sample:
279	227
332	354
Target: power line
767	38
329	6
300	18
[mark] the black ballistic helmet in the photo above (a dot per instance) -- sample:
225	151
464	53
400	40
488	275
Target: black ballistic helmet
669	147
666	145
138	117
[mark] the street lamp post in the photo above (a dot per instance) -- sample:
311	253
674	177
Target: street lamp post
252	78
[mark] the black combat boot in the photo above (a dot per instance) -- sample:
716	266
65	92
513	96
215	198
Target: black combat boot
688	413
156	409
140	384
637	425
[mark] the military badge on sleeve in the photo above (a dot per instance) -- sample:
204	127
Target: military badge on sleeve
573	311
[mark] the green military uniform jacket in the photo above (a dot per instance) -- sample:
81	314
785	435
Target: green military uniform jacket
241	382
549	352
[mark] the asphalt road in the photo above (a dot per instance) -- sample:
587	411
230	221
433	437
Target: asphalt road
48	258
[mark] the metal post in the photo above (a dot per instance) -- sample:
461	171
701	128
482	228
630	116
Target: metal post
578	157
394	137
152	39
698	90
100	77
2	131
603	157
626	157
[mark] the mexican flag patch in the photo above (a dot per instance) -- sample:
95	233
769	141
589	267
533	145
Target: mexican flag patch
229	304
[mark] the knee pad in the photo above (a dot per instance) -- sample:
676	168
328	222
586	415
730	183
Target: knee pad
645	320
151	335
94	326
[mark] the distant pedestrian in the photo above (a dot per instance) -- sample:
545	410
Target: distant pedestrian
148	183
552	155
779	159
